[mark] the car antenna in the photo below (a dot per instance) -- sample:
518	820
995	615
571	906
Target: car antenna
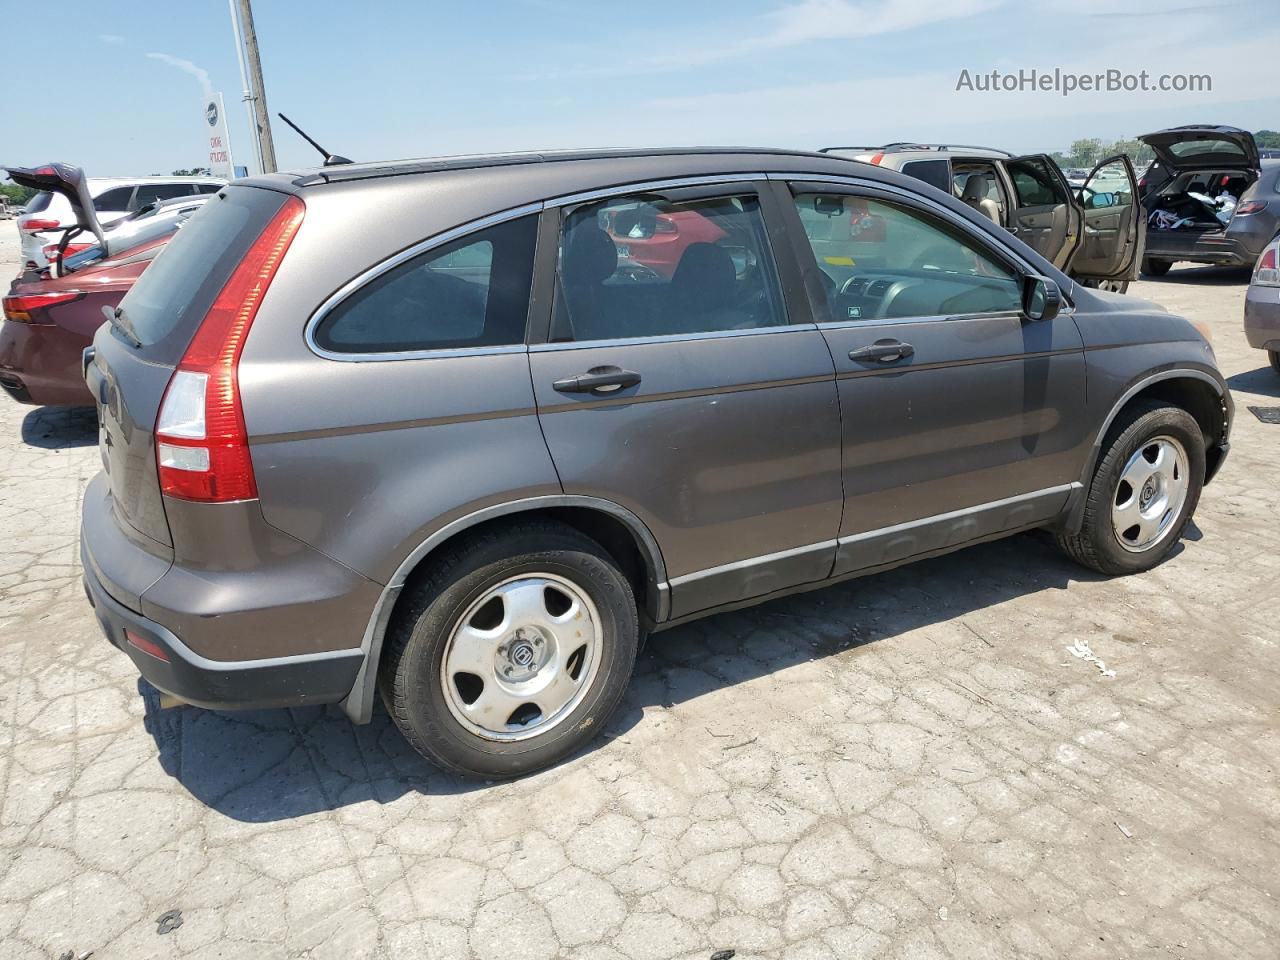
330	159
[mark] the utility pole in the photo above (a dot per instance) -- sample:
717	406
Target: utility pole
246	95
263	124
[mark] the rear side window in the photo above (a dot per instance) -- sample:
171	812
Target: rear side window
644	266
115	199
170	299
1035	182
39	203
932	172
471	292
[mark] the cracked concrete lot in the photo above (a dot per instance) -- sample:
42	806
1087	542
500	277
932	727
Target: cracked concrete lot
910	765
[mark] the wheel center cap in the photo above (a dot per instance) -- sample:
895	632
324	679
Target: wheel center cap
1148	491
522	654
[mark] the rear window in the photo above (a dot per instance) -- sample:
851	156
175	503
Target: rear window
1192	148
171	297
39	203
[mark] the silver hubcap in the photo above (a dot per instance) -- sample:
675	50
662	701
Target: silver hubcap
1150	494
522	657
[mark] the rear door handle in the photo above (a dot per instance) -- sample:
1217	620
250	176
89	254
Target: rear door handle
598	380
886	351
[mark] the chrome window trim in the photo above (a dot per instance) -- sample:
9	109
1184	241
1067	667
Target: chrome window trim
667	338
933	318
603	193
395	260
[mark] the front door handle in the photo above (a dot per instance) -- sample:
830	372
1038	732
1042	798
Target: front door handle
598	380
886	351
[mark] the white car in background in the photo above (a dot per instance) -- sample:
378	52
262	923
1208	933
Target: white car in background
45	217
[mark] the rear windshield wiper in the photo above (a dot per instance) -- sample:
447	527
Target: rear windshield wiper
119	322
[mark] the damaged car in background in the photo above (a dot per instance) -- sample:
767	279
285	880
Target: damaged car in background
50	315
1219	201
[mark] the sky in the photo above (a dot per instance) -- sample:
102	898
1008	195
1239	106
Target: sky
386	79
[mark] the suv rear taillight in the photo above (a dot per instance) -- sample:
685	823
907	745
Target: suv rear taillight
19	309
1267	273
50	250
202	447
35	226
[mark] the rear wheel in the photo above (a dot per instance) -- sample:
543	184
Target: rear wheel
1153	267
512	652
1274	357
1144	489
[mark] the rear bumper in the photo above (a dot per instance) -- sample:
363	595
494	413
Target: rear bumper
1262	317
170	666
1239	245
282	627
40	364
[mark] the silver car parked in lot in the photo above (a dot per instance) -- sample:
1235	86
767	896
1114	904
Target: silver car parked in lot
465	451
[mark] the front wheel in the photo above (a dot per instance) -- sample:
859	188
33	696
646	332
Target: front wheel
1153	267
512	651
1112	286
1144	489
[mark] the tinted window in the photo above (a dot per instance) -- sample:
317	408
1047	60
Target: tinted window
473	292
148	192
115	199
170	298
932	172
1191	148
881	261
208	187
39	203
1035	182
648	266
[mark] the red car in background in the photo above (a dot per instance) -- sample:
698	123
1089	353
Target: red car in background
659	240
51	317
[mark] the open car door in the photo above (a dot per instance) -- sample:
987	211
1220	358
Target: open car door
1045	215
68	180
1110	248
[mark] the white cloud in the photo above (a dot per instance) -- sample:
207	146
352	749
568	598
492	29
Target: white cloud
814	20
113	39
186	66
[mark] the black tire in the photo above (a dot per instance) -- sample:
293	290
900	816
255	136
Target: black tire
420	628
1274	357
1112	286
1095	545
1153	267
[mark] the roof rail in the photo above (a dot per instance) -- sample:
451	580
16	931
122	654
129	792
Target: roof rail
362	171
903	146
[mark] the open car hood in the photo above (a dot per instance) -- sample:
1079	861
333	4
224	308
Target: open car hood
1199	146
68	180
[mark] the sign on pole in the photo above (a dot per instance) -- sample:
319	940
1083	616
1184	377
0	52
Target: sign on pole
221	163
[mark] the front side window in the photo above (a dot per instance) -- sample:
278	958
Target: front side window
472	292
878	261
644	266
150	192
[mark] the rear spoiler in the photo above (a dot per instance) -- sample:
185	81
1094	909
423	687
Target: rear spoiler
68	180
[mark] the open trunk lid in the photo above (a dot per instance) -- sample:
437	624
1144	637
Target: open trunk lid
136	352
1197	146
68	180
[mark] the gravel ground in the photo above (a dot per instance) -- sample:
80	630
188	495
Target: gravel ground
909	765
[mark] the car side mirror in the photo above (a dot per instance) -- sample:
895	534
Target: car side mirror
1041	298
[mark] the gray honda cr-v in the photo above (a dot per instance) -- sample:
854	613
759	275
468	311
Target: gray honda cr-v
468	448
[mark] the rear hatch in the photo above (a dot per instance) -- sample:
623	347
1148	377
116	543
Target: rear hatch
1199	146
135	354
